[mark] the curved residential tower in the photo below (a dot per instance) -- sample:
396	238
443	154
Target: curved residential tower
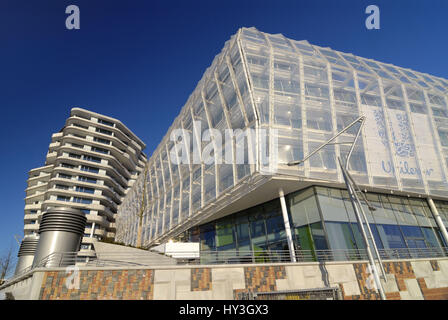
91	163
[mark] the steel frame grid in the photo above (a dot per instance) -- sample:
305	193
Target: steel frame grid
355	68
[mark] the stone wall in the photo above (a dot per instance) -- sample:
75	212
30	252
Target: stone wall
406	279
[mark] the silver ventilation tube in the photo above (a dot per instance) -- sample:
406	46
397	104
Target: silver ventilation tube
26	253
61	231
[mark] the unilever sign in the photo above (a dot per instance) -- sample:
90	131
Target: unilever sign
404	147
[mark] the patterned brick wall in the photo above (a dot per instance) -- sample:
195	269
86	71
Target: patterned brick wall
99	285
260	279
402	273
201	279
419	279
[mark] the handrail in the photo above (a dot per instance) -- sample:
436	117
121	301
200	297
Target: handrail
149	258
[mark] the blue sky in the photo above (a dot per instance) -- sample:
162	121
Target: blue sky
138	61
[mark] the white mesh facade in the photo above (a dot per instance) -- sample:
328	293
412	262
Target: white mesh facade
301	95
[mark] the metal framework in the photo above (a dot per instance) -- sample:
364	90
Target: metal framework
353	189
303	95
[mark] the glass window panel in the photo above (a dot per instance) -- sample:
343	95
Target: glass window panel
286	85
436	99
303	208
225	237
313	90
225	176
289	150
371	100
344	95
386	215
303	238
275	227
431	237
310	238
320	242
319	120
424	218
415	94
325	158
403	211
341	239
411	232
287	112
331	204
391	236
242	229
207	237
209	183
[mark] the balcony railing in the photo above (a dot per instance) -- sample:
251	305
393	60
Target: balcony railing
270	256
151	259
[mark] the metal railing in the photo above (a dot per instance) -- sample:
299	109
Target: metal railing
147	259
60	259
270	256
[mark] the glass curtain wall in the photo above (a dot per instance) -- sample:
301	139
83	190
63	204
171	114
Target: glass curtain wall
301	95
244	236
442	208
324	226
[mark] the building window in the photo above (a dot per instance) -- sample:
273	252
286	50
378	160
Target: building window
323	219
63	198
103	131
100	150
80	126
77	145
90	169
225	235
100	140
107	123
84	189
208	237
61	186
92	159
82	200
67	165
443	138
87	179
341	239
64	176
74	155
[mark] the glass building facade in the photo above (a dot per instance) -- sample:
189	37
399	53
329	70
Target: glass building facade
301	95
322	219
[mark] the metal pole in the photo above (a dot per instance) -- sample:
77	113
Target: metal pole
438	219
360	119
349	182
375	248
364	236
292	251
